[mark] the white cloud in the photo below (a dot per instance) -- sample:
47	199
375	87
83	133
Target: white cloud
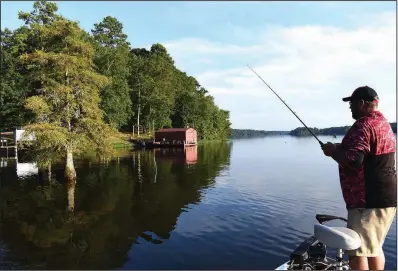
194	45
311	66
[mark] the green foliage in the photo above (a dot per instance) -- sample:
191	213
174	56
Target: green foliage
43	13
67	117
13	88
168	97
143	87
68	78
152	83
111	58
194	108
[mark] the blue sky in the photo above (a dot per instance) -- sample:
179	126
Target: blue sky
311	53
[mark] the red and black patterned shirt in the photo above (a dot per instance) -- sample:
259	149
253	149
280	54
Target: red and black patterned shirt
372	184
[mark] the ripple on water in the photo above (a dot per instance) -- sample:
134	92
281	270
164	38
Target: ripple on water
251	216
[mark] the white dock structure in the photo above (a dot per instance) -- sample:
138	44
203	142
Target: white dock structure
9	142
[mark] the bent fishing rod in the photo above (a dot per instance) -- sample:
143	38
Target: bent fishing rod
320	142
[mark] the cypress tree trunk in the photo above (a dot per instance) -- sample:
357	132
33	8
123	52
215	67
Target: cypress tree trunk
71	195
70	174
70	171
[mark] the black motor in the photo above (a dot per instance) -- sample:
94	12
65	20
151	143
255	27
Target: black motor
309	255
317	252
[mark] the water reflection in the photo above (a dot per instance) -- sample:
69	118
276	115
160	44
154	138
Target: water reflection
187	155
46	223
26	169
23	169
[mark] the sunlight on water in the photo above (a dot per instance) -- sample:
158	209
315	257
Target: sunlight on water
241	205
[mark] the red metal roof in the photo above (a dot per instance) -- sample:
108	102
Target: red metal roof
173	130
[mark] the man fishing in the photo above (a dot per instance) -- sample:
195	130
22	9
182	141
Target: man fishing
366	158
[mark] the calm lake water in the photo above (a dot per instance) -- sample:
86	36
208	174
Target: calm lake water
244	204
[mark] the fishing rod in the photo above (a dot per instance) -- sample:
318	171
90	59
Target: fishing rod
320	142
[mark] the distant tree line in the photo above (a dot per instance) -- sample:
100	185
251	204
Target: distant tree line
249	133
53	59
300	131
342	130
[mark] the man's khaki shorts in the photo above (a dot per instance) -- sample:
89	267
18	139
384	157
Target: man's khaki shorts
372	225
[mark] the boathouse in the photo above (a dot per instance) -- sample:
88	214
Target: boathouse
187	136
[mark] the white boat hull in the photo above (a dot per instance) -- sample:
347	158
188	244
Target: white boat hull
282	267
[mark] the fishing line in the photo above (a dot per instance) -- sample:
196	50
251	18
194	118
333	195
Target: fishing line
320	142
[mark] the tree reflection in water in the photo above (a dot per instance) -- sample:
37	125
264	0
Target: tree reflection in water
46	223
